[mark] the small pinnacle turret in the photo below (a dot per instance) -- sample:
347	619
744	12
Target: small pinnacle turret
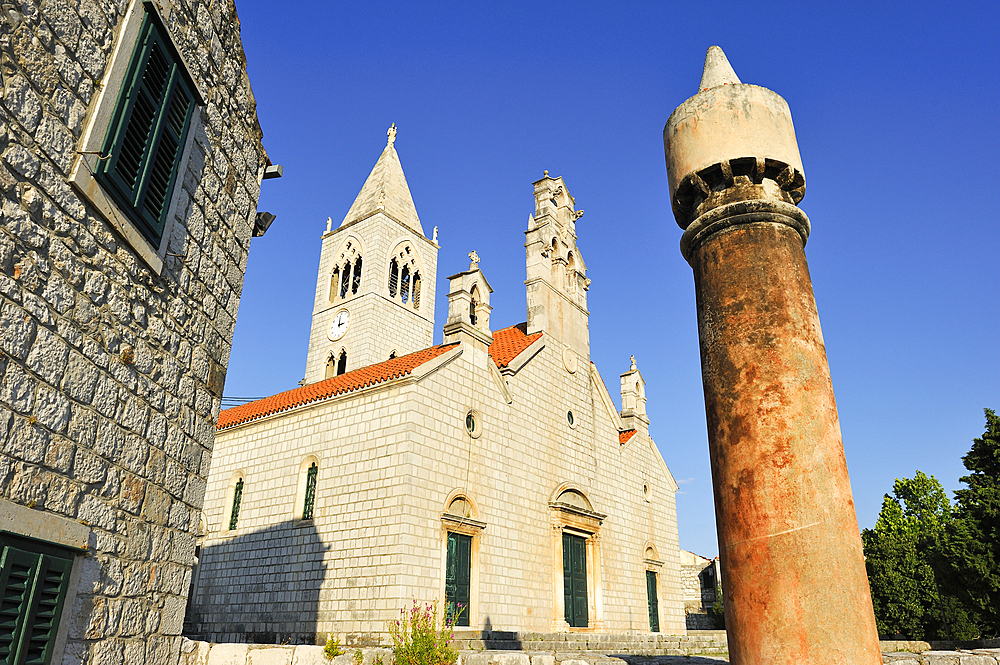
717	70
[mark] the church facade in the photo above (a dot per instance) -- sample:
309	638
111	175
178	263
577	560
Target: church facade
491	474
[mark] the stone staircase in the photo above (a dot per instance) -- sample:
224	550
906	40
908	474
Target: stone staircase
587	647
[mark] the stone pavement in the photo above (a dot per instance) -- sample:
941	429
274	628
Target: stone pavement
893	653
933	657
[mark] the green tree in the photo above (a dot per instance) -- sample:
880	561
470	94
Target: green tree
906	561
898	576
973	550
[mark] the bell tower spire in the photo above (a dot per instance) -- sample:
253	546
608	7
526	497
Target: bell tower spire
376	281
556	281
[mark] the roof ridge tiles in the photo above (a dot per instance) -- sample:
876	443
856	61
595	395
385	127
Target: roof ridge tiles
354	380
507	344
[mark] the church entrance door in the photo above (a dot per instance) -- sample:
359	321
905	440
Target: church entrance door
575	580
654	610
458	578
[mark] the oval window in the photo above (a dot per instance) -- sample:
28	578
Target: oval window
474	423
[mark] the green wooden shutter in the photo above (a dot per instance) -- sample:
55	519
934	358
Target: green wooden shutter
147	131
32	592
654	610
575	580
458	578
15	585
234	516
310	502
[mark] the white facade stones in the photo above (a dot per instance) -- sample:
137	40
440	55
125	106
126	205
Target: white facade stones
113	348
547	454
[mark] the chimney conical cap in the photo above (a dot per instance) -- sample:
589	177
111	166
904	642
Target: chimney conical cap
717	70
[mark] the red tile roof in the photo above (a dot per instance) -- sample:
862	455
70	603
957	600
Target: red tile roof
623	437
509	342
359	378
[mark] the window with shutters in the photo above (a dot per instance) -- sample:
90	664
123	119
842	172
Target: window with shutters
141	156
404	275
234	514
356	281
345	282
310	498
416	290
334	283
404	285
135	138
393	278
34	577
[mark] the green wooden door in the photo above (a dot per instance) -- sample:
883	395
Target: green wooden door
654	610
575	580
458	578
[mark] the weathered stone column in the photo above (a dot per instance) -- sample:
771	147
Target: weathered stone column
793	570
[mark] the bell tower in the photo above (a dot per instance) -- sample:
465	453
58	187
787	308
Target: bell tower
376	281
556	281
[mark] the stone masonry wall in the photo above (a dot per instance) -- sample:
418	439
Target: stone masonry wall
388	459
111	373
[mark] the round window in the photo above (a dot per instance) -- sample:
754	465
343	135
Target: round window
645	491
474	423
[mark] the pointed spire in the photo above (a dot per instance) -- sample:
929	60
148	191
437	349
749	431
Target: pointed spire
386	190
717	70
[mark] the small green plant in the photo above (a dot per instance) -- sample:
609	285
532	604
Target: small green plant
377	660
416	639
359	657
332	648
718	610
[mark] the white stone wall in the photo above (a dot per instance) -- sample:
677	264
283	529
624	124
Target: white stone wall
389	459
112	363
379	324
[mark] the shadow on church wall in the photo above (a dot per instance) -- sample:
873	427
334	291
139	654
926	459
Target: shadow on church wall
497	640
260	587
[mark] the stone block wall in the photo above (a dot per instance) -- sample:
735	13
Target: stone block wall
389	458
113	358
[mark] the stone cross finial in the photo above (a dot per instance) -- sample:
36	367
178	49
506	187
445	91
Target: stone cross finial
633	363
392	134
435	238
475	260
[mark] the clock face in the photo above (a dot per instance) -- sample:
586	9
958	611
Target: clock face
339	325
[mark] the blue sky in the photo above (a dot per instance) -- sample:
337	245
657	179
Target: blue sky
895	110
